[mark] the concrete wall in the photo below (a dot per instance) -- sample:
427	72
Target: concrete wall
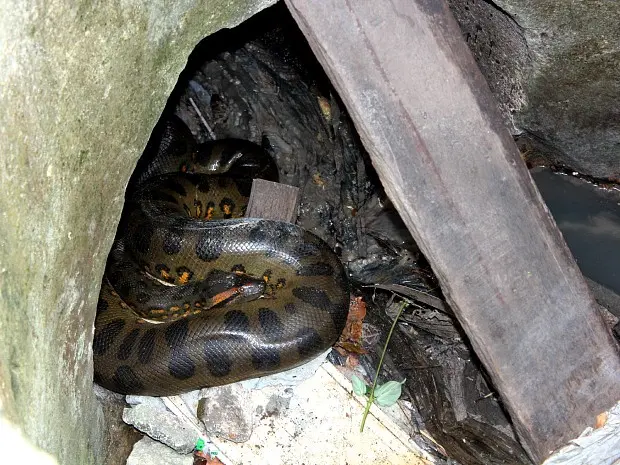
554	67
81	87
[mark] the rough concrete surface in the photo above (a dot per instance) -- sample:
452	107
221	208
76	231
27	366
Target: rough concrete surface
226	412
152	417
554	67
81	87
150	452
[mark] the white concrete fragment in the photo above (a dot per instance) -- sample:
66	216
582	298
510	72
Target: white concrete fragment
149	452
152	417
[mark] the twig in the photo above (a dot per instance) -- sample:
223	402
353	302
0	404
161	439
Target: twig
414	294
204	121
371	394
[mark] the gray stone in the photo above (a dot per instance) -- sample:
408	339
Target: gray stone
82	85
153	418
227	412
278	403
554	67
154	402
150	452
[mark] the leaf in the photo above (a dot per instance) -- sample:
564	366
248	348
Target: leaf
387	394
359	386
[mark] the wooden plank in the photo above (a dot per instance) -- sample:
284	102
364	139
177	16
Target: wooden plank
431	127
273	201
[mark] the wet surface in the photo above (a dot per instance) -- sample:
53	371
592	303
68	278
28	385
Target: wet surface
589	218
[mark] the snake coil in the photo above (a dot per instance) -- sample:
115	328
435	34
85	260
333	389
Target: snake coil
196	296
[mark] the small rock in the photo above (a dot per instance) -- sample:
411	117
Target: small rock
226	412
150	452
278	403
147	400
153	418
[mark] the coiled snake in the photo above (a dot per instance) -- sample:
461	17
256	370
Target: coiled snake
189	300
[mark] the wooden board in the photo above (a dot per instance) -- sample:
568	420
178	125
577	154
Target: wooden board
273	201
431	127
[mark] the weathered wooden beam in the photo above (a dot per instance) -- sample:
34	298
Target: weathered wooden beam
430	124
273	201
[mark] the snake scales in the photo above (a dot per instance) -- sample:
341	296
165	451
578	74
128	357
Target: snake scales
194	295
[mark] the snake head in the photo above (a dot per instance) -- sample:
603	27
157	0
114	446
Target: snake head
235	287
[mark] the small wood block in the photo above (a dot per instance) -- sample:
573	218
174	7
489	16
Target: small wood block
273	201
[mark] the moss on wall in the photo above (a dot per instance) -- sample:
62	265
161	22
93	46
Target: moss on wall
81	87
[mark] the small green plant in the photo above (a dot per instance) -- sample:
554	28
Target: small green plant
385	394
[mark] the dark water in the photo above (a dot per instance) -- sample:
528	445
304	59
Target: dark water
589	218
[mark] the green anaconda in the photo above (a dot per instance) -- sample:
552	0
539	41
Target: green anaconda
194	295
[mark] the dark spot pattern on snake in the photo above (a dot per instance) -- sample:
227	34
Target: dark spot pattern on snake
104	338
180	365
216	354
264	358
126	380
271	325
236	321
317	298
308	341
306	249
239	268
290	308
316	269
146	346
176	333
173	241
207	248
257	234
124	350
227	207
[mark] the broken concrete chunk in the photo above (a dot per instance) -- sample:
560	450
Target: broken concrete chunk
227	412
149	452
153	418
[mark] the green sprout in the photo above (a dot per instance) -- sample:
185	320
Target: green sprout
384	395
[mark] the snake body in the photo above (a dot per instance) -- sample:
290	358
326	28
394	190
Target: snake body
189	300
